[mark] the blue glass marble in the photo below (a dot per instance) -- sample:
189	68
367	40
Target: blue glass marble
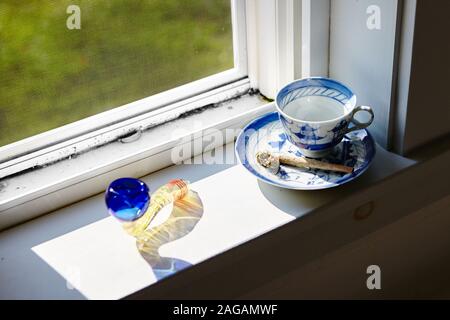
127	199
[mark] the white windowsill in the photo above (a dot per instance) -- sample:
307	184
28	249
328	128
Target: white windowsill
36	192
84	245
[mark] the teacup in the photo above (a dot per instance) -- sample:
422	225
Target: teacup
316	114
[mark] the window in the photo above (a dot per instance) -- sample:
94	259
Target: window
117	100
54	73
124	51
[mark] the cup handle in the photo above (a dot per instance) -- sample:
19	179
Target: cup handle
360	125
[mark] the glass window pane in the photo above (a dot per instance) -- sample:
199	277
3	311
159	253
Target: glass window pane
125	50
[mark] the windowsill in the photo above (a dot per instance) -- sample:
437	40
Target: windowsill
84	245
35	192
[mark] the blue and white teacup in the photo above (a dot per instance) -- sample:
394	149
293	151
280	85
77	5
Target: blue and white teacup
316	114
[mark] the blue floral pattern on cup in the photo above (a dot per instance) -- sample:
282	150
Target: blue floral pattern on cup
316	138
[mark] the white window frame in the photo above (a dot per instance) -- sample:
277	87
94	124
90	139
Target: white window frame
275	43
421	117
290	44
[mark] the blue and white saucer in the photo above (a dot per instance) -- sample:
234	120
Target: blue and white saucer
265	133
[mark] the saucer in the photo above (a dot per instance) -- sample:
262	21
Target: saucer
265	133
